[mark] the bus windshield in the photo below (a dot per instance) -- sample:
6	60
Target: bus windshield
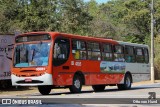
27	55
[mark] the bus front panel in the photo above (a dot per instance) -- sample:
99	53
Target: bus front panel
31	64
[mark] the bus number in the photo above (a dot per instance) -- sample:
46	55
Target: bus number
78	63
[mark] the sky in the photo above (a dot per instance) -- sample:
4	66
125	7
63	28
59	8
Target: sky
98	1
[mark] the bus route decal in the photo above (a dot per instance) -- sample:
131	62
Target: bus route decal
112	67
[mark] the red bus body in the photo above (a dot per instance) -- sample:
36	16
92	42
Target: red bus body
63	75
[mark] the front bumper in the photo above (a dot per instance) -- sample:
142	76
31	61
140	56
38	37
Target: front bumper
45	79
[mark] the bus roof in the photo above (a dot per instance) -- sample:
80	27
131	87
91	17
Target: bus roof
54	34
132	44
98	39
90	38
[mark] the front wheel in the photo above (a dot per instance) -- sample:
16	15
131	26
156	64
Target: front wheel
44	90
127	83
76	85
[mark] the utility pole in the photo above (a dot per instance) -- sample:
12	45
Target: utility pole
152	42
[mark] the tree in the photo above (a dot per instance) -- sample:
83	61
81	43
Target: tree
45	15
100	25
74	19
7	14
137	20
37	15
107	19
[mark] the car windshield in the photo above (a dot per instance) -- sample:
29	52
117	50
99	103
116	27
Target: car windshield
27	55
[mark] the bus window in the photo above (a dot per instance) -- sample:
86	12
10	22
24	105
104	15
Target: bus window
118	53
33	54
129	54
146	56
79	49
107	52
139	55
61	51
93	51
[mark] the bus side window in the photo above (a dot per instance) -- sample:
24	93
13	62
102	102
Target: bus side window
107	52
79	49
118	53
129	54
139	55
146	55
94	51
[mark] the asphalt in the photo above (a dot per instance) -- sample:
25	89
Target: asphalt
110	97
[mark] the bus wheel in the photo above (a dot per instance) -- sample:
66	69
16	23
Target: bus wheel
98	88
77	85
44	90
127	83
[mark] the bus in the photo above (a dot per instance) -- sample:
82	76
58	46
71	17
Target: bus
55	60
6	47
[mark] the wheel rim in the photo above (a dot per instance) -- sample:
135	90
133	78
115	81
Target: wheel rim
128	82
77	83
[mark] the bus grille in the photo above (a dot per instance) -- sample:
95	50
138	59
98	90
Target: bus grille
33	81
27	71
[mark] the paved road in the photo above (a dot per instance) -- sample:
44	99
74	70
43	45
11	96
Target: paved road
140	91
110	95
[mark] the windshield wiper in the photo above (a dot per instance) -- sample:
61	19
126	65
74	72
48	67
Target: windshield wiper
27	56
17	56
33	54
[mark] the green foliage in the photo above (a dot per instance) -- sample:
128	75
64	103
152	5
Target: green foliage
74	17
127	20
137	20
67	16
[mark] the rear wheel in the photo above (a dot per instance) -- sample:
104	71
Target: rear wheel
44	90
98	88
127	83
76	85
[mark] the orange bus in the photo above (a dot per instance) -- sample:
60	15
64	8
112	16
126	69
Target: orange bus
53	60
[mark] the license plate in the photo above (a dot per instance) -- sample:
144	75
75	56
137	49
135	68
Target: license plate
28	80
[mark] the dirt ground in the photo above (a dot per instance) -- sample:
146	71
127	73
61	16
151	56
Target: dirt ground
28	90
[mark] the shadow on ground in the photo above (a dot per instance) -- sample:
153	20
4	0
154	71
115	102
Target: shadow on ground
13	88
106	90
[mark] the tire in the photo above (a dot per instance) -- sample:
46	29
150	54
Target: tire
127	83
98	88
76	85
44	90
